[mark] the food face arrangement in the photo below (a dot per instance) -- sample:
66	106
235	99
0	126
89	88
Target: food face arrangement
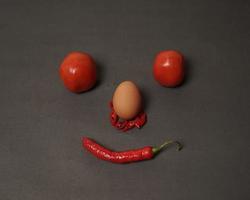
79	74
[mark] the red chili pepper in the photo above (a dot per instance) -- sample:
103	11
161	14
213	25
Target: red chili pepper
145	153
125	125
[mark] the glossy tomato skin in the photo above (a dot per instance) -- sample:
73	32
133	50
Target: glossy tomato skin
78	72
168	68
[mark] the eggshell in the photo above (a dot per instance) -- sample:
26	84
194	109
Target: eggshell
127	100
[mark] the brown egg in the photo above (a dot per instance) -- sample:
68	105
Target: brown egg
127	100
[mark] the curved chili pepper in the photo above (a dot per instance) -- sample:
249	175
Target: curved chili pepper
125	125
145	153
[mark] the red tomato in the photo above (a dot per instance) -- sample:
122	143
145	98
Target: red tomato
78	72
168	68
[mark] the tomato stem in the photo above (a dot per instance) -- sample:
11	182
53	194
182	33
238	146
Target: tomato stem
165	144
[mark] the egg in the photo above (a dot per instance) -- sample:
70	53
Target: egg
127	100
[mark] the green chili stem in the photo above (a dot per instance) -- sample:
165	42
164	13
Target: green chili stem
165	144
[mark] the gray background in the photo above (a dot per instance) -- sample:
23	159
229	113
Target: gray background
41	122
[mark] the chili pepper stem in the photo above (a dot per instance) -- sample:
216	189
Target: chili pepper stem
165	144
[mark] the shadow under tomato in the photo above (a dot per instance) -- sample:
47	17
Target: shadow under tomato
100	73
188	76
145	99
188	66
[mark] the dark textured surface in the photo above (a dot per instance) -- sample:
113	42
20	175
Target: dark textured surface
41	122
